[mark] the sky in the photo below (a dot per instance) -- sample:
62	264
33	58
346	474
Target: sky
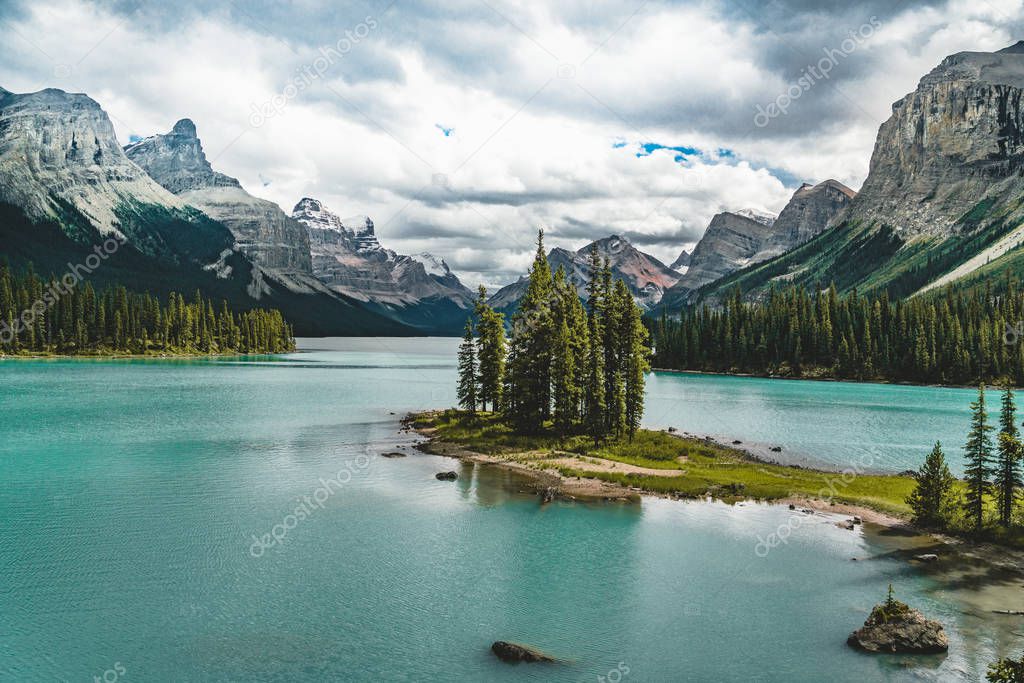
462	127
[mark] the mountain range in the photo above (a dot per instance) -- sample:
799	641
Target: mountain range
943	203
646	276
420	290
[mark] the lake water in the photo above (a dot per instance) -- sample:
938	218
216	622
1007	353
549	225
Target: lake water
136	498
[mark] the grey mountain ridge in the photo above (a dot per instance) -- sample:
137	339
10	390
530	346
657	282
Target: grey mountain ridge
941	202
348	257
646	276
68	179
177	161
737	240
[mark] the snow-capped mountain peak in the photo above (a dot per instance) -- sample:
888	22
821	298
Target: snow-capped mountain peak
762	217
434	265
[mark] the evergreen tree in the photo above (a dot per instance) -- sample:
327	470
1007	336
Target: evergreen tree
1007	474
955	336
932	498
595	400
978	454
636	365
467	370
563	380
82	321
530	363
491	352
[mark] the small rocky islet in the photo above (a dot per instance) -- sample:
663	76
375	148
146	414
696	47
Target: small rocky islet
895	627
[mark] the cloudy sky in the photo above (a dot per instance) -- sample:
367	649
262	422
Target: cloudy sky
462	126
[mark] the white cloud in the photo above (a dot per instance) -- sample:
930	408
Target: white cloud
530	148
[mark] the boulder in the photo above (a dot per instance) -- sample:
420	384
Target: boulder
894	627
515	653
392	454
447	476
927	557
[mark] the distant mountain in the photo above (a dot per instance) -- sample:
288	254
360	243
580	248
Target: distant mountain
737	240
420	291
762	217
263	232
942	200
682	262
60	161
646	276
66	185
731	242
810	211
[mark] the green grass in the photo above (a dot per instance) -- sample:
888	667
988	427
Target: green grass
710	469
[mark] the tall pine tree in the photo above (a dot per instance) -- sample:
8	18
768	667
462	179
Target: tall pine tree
467	390
595	402
1006	474
530	362
490	353
978	454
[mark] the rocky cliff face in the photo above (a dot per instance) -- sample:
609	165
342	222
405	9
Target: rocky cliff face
942	201
646	276
732	241
348	257
60	147
66	183
811	209
956	139
262	230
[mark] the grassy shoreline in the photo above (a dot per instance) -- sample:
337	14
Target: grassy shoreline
686	467
663	464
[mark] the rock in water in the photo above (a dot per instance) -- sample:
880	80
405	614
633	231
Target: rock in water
392	454
548	495
514	653
447	476
895	627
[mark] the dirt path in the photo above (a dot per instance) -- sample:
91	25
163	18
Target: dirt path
591	464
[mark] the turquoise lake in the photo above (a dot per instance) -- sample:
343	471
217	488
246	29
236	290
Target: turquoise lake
136	498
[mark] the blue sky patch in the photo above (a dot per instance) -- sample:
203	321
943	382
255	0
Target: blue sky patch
447	131
684	154
647	147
